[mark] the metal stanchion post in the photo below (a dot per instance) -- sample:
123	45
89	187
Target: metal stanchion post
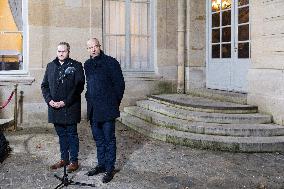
16	108
21	104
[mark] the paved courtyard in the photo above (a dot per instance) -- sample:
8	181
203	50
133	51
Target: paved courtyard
141	163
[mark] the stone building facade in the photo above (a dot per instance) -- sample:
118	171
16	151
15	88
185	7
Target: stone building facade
181	47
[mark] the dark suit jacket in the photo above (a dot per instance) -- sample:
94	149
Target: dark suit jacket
105	88
58	86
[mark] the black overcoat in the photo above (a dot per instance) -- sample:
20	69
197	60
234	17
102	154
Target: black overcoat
57	85
105	88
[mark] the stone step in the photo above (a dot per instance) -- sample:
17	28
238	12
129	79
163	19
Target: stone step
6	123
254	118
213	142
240	98
205	128
194	103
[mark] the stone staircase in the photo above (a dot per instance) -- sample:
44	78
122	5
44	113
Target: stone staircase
205	123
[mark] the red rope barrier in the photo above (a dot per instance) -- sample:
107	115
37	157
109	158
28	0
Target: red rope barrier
7	102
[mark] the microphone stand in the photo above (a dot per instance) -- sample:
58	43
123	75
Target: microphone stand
65	181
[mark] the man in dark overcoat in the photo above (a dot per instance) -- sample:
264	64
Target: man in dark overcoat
105	88
62	86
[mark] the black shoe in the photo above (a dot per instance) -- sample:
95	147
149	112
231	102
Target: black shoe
108	176
98	169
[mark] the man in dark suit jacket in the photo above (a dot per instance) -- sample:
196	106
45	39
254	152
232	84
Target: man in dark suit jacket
62	86
105	88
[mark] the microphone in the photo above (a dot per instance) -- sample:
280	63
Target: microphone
69	70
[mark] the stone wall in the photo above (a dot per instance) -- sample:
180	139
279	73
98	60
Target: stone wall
167	19
51	22
266	76
195	44
75	21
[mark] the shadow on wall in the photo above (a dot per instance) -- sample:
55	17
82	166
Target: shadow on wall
138	91
165	87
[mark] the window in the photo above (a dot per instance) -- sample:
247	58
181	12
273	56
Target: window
12	36
128	33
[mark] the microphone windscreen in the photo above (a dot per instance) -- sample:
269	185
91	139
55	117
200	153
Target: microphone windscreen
69	70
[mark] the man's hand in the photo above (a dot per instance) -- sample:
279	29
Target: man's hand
52	104
59	104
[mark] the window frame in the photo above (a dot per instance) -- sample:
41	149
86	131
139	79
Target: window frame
24	71
127	34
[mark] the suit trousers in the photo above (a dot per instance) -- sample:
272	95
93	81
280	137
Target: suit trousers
68	141
104	136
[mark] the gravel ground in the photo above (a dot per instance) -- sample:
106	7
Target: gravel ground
142	163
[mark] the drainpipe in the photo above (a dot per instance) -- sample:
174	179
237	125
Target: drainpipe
181	45
188	43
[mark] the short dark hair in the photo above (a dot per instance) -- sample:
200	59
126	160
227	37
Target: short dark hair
66	44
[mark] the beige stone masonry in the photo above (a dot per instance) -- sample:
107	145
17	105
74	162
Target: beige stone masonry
266	76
